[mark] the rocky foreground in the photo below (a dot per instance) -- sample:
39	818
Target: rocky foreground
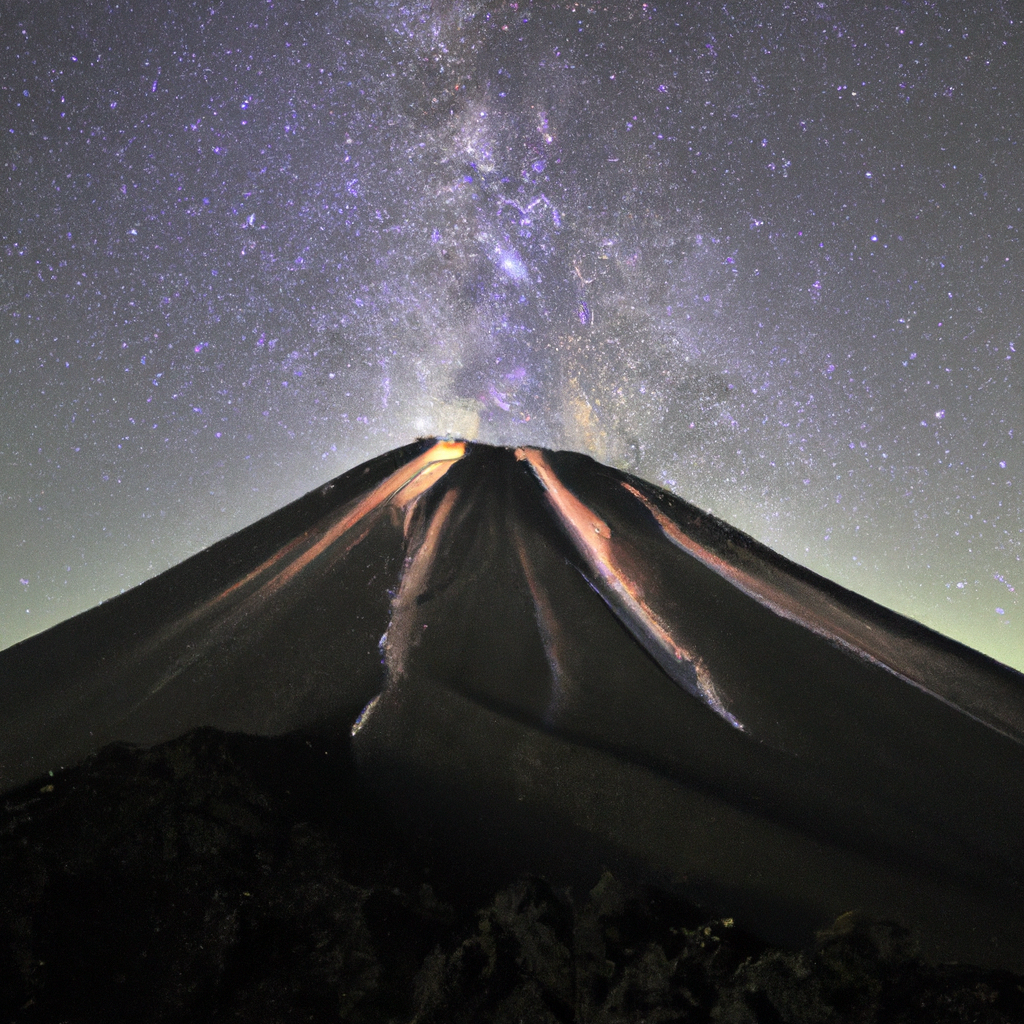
220	877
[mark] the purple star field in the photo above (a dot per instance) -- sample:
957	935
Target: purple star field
766	255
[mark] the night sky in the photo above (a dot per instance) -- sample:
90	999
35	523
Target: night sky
765	255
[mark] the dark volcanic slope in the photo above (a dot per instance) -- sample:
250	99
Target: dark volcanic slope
547	665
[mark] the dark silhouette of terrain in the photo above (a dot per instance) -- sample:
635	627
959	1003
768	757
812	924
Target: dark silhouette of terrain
280	780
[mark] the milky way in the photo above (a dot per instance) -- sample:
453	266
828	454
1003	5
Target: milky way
768	258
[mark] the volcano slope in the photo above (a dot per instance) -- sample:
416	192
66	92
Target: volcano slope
537	664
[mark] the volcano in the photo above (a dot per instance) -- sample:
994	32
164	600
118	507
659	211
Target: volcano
540	664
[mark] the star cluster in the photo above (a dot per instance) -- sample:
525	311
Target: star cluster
768	258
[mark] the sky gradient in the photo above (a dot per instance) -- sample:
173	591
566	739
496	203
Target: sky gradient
766	257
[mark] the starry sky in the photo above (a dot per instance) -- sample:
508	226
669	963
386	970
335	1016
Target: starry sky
766	255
